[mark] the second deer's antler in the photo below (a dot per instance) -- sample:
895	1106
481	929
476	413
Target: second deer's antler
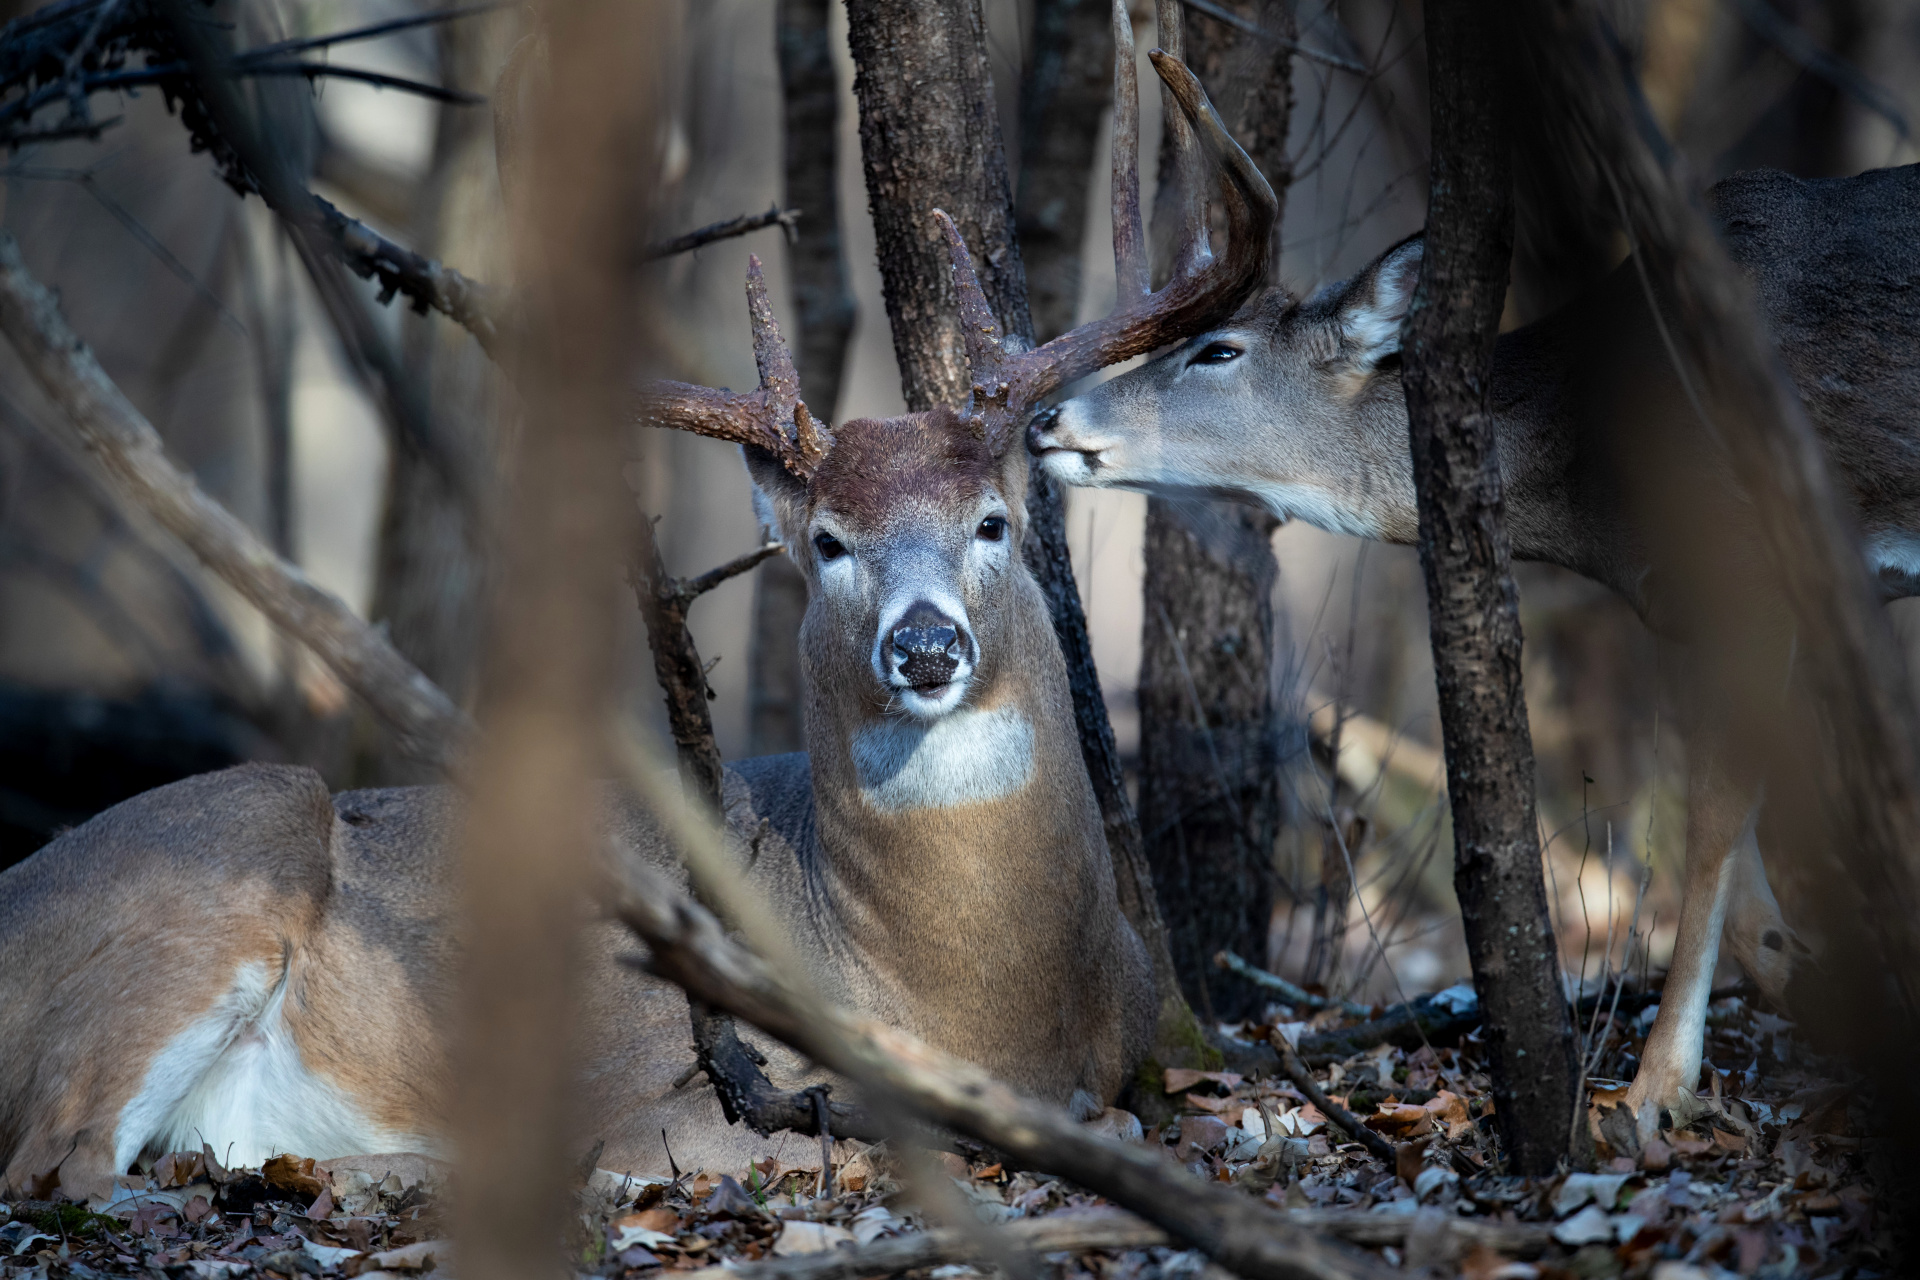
1203	291
773	418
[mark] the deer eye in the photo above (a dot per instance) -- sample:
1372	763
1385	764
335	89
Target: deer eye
829	547
992	529
1215	353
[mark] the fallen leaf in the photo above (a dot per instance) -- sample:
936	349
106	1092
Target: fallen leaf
1181	1079
1656	1154
1217	1105
657	1218
1449	1107
1733	1142
197	1208
991	1171
1589	1226
1400	1120
322	1208
41	1186
1407	1160
800	1237
731	1199
294	1176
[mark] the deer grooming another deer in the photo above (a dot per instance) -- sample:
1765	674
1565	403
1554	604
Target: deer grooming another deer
241	960
1298	406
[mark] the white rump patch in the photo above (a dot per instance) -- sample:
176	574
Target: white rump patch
234	1079
966	757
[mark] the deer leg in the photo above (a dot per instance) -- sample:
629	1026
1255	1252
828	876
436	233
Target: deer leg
1720	810
1756	933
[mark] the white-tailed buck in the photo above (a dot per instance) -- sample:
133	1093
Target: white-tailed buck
243	960
1298	406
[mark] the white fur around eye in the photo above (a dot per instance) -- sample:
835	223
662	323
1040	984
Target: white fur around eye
965	757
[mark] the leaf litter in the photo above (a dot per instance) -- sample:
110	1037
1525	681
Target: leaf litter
1768	1178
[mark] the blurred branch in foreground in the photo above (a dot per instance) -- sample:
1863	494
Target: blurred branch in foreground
111	431
689	947
1838	751
579	226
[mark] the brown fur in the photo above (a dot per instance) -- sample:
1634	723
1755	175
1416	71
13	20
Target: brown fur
990	929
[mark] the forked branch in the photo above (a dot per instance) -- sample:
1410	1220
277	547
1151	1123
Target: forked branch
106	425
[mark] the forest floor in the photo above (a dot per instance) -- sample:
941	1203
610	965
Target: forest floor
1770	1180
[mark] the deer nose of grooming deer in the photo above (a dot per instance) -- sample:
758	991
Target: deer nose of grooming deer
926	648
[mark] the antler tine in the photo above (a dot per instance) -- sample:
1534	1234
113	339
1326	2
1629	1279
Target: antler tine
1195	299
989	366
1190	191
1132	275
773	418
780	383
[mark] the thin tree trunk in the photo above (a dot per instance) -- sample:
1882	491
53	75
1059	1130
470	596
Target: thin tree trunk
430	569
581	227
824	307
1209	788
1068	85
930	140
1474	611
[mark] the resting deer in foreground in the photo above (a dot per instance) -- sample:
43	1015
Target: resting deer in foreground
242	960
1298	406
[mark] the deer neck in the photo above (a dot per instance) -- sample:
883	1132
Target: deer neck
1561	505
967	851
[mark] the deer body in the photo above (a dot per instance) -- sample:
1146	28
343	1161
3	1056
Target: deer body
1299	406
241	959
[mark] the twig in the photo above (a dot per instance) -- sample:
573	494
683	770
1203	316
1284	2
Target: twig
1274	982
1297	1072
1109	1231
1790	40
727	230
125	445
689	947
1220	13
691	589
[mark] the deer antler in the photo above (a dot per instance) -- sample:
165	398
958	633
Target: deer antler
1202	292
773	418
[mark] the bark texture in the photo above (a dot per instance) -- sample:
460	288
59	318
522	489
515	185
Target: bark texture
1210	806
930	140
1474	611
1069	83
824	310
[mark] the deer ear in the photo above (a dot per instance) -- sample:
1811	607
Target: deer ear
779	499
1374	304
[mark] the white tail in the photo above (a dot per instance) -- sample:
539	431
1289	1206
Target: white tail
242	960
1298	406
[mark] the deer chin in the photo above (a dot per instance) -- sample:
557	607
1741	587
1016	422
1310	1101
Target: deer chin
926	702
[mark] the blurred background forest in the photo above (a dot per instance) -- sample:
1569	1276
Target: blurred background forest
328	421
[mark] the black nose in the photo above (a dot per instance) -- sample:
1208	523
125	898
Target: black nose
1042	421
926	646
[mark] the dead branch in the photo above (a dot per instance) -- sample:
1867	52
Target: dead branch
785	219
689	947
1106	1231
66	53
124	444
1293	994
1303	1079
746	1095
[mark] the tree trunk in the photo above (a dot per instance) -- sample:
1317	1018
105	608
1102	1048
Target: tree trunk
1209	790
430	570
930	140
1069	82
529	841
1449	337
824	308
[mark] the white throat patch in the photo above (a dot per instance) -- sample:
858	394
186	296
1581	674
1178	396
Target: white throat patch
966	757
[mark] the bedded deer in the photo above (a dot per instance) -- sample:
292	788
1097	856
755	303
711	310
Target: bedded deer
1298	406
243	960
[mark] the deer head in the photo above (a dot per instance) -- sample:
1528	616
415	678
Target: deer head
908	529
